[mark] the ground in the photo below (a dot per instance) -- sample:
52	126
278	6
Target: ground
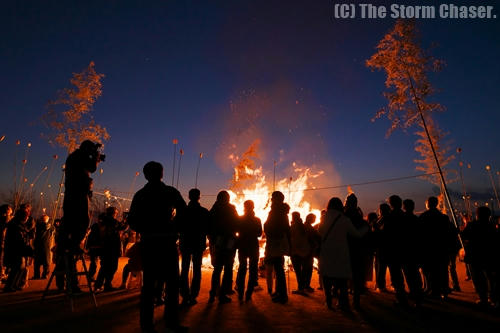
118	312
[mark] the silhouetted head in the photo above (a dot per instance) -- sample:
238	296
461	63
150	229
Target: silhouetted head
372	217
351	201
408	205
277	197
112	212
432	202
44	218
483	213
89	146
153	171
194	195
335	203
223	197
395	202
5	210
248	206
384	209
310	218
296	217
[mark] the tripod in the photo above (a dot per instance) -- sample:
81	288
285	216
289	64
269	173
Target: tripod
66	267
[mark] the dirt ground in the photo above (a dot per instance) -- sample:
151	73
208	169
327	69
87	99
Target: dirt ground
118	311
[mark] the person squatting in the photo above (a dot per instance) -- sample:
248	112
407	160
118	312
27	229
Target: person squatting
420	251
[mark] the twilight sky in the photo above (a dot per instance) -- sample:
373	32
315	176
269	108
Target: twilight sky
217	75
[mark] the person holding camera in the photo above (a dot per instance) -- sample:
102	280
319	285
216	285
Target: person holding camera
78	190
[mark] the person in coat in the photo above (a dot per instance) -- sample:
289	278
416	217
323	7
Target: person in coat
111	250
277	230
223	228
249	231
5	217
482	246
335	259
300	250
18	248
152	215
43	240
192	243
314	241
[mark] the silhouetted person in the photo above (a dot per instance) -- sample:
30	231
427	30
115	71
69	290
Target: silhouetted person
277	231
111	250
249	231
358	248
314	241
134	264
399	233
18	248
152	216
94	244
454	250
192	242
5	217
371	219
412	260
223	228
300	250
43	238
381	247
481	242
436	248
77	193
335	260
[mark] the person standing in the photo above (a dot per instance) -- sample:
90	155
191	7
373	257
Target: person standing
192	243
111	250
335	260
277	230
314	241
436	240
223	228
152	215
482	246
5	217
43	239
18	249
300	250
249	231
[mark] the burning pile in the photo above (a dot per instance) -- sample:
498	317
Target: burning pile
249	183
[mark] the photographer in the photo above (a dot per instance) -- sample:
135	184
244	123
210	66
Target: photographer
78	190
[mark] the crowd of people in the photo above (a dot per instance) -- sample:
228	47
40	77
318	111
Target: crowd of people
420	252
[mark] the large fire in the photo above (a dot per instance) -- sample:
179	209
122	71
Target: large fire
249	183
260	193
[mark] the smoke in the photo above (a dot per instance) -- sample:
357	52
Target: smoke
279	123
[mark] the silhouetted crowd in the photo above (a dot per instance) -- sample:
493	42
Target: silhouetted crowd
420	252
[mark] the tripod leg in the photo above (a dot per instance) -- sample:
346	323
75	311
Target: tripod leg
87	275
50	280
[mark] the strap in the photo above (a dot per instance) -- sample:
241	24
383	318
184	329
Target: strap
331	227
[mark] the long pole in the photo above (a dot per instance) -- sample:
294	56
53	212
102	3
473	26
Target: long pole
16	194
488	168
175	141
197	170
59	193
464	192
274	177
181	152
441	175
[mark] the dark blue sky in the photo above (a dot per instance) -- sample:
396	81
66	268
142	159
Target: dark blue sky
294	75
